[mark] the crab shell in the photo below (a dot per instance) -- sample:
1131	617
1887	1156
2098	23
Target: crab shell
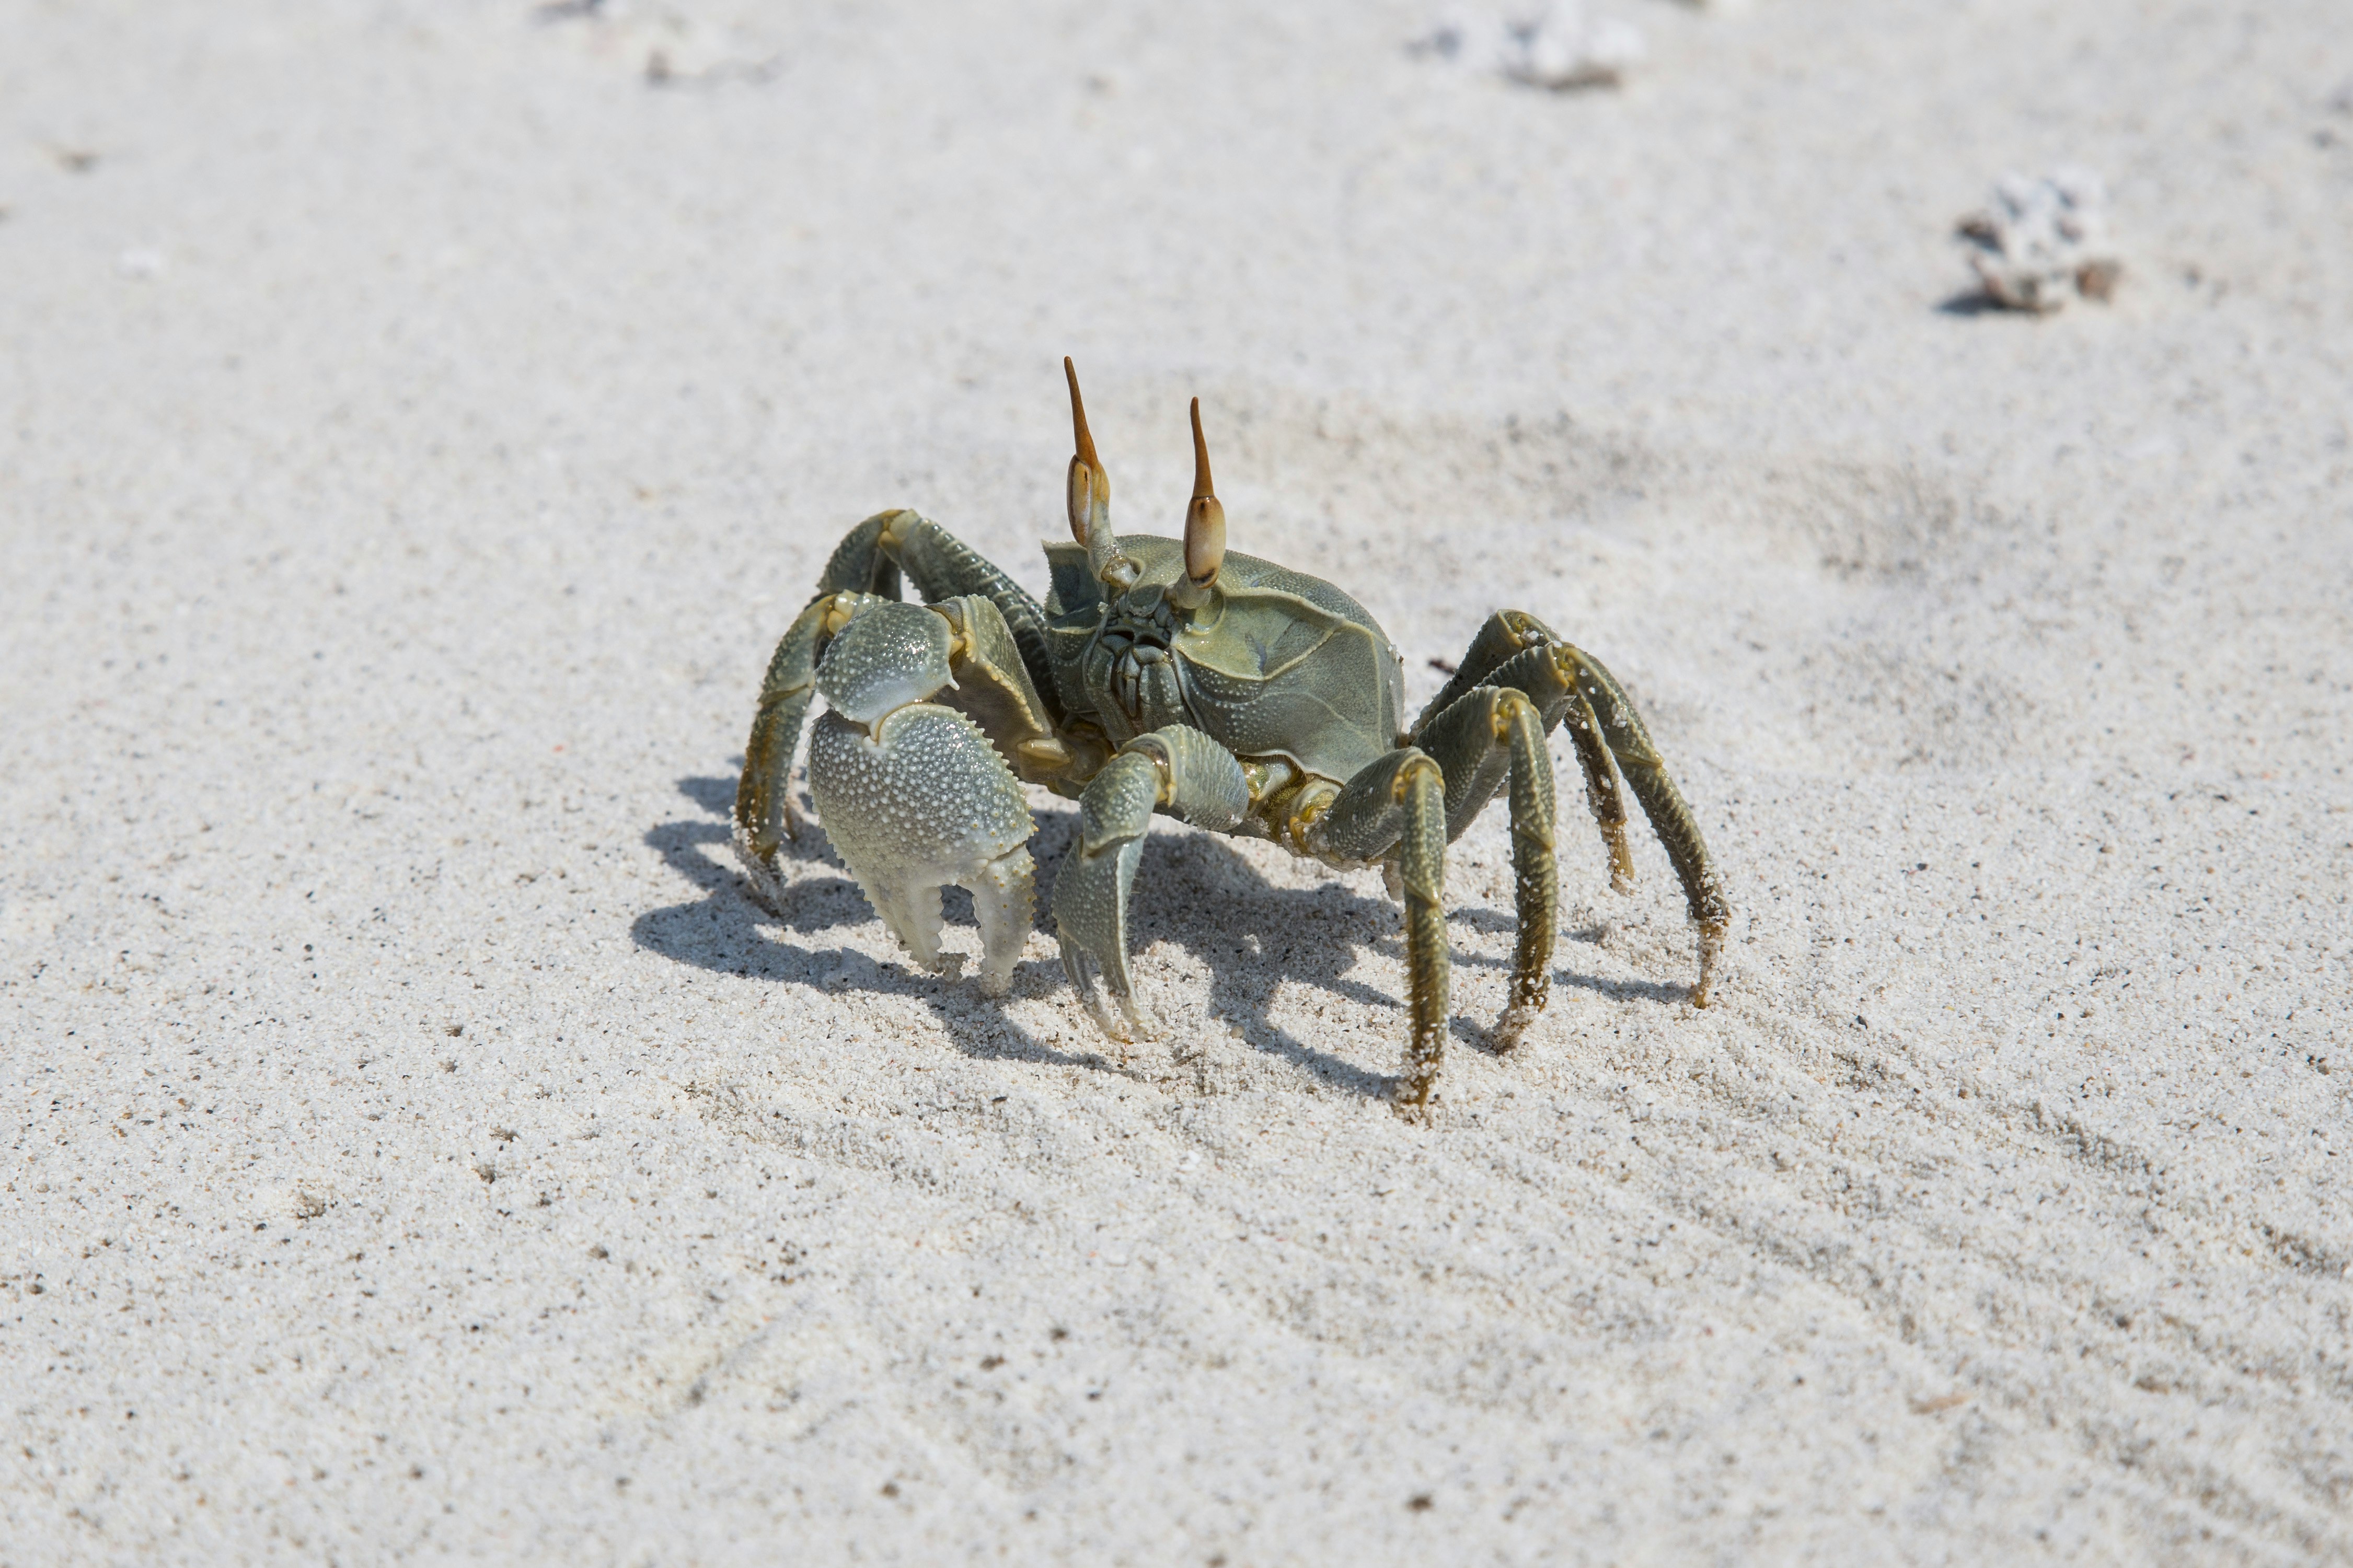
1276	664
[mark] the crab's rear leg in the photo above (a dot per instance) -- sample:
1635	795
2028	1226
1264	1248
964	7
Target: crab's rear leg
1622	729
913	794
1569	685
1178	771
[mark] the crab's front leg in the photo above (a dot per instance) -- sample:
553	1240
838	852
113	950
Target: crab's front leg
1177	770
912	792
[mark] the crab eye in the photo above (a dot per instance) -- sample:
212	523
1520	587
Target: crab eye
1205	520
1082	488
1204	541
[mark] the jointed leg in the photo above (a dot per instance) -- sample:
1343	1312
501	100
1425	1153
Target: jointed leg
1395	810
1645	771
1601	790
1484	731
1506	634
1422	868
763	807
943	566
1568	685
1516	651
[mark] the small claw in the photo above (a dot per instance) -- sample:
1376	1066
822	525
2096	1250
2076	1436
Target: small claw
1135	1023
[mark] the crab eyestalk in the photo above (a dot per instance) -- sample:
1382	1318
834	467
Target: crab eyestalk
1204	529
1089	499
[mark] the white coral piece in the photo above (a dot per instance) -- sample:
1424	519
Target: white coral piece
1562	48
2042	242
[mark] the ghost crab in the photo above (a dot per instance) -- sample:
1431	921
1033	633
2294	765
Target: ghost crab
1170	676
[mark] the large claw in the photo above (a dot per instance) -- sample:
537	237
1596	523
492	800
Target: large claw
921	799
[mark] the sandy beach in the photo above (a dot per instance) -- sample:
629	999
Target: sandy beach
418	423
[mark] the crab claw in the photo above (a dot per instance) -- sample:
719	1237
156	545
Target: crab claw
1091	892
913	794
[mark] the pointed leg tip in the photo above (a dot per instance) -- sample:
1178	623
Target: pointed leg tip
1079	966
1711	949
1140	1025
1509	1029
760	870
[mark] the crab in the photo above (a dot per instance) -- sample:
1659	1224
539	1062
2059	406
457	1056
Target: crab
1172	677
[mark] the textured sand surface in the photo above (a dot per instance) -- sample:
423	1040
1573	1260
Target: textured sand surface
416	427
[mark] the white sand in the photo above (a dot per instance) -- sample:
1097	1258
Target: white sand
418	429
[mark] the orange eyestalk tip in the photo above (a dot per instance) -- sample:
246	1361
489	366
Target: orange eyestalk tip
1086	444
1202	489
1205	520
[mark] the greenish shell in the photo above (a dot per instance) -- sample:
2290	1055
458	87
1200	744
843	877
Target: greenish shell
1277	664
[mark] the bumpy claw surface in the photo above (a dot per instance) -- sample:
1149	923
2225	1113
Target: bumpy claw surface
921	802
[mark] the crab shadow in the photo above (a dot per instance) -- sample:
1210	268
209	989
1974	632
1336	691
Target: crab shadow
728	932
1194	890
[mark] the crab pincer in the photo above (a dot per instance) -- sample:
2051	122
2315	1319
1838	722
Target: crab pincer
912	792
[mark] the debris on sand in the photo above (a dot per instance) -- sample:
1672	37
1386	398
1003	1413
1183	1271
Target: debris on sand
1562	48
666	45
2042	242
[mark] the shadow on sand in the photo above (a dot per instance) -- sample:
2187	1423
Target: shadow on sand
1192	889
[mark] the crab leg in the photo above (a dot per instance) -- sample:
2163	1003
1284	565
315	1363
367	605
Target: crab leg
1516	651
1482	733
1421	870
1506	635
1394	809
1671	817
